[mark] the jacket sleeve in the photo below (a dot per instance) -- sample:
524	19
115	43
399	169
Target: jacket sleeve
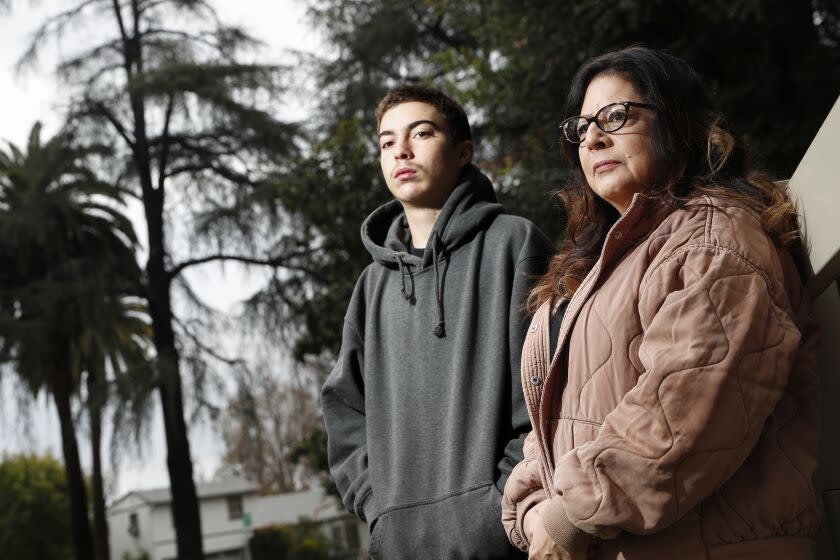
343	404
523	491
717	350
531	263
520	481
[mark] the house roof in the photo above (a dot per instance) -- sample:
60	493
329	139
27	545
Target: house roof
214	489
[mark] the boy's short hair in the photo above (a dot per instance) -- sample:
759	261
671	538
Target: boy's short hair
453	114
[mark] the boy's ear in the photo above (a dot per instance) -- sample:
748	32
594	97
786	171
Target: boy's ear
465	152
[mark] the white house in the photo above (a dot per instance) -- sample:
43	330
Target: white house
348	535
140	522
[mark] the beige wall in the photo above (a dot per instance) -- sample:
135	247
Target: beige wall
816	188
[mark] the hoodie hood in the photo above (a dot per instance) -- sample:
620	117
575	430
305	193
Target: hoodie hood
385	232
472	203
467	211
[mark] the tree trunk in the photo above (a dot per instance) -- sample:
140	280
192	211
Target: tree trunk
96	399
82	542
185	510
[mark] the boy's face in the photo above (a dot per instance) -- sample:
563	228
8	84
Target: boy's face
420	160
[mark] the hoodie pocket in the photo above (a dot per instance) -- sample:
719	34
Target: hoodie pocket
463	526
376	537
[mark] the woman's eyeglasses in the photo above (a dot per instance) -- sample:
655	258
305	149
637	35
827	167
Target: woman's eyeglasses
609	119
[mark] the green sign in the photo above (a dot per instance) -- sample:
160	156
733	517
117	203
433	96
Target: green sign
246	519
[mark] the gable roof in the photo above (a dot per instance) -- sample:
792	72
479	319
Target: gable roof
205	490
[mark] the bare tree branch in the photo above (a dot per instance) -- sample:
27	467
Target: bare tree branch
91	56
91	79
103	110
201	38
220	170
54	25
275	262
150	5
233	362
195	144
196	6
120	22
164	151
135	10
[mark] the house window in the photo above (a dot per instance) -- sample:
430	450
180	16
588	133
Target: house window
351	529
234	506
133	525
337	536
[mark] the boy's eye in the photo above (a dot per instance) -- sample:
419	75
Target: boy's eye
422	133
387	144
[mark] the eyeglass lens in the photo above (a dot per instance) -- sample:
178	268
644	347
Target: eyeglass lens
609	119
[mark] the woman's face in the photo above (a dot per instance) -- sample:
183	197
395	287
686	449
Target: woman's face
618	164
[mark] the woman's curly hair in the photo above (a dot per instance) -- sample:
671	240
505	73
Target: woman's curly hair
696	155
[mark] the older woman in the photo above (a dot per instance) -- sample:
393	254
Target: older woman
668	369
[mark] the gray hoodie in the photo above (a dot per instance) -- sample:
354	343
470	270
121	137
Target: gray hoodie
424	411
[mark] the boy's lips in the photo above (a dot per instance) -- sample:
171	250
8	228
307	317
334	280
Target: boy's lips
405	172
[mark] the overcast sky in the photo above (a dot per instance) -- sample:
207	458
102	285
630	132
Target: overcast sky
279	23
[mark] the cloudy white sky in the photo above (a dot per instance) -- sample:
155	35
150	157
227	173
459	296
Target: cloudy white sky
282	25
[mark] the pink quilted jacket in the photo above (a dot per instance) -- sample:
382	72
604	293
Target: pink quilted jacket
678	418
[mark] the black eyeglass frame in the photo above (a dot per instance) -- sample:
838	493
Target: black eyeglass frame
594	119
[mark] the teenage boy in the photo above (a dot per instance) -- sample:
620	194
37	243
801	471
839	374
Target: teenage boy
424	409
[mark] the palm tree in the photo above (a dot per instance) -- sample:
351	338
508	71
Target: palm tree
66	264
115	355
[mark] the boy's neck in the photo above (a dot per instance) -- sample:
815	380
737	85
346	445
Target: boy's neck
420	223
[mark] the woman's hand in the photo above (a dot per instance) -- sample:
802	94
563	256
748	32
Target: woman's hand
543	547
532	520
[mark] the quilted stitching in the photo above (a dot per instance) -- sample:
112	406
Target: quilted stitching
711	257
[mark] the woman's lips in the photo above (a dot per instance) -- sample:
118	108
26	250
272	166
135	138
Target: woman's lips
604	166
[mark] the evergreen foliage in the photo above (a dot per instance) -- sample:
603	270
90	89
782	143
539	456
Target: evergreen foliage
326	195
771	65
34	504
189	130
167	86
768	63
295	542
69	283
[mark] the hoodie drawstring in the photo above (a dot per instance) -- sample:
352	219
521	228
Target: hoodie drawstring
403	272
440	329
408	295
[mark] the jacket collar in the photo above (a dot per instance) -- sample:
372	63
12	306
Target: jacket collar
640	219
